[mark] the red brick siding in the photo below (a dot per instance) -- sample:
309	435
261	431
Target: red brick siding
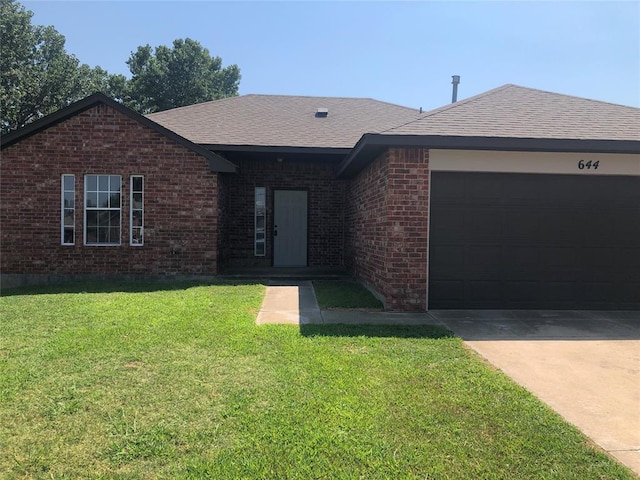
325	202
181	211
386	236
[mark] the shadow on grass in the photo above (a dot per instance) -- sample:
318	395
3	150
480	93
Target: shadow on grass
396	331
112	286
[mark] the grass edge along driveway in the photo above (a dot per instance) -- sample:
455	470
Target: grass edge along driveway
128	381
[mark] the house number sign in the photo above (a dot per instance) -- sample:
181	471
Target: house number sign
588	165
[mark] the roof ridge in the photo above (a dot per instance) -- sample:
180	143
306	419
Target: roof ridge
271	95
450	106
193	104
575	96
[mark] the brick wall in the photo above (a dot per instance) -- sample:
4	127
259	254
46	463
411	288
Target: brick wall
325	203
181	211
386	235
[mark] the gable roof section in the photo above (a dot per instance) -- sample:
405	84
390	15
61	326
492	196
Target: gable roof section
510	118
216	162
520	112
284	121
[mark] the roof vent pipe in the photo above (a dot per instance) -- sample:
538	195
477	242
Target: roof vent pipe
455	81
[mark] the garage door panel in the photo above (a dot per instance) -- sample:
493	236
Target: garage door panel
486	190
449	293
598	292
521	262
483	262
523	191
628	231
561	228
626	291
628	264
559	293
517	292
449	260
534	241
483	226
598	263
521	228
454	193
484	290
448	225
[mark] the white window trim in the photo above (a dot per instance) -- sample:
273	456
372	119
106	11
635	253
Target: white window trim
131	210
84	204
62	209
263	241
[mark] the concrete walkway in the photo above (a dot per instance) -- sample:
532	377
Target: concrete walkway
289	302
294	302
584	365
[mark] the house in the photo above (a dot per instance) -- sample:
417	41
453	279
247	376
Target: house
515	198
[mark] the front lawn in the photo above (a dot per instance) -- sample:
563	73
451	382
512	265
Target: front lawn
129	381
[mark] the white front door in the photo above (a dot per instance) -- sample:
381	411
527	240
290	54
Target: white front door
290	228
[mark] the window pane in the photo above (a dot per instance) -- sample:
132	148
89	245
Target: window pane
259	236
92	218
92	235
68	235
114	218
137	200
137	218
136	236
259	248
92	200
114	234
137	184
68	182
68	218
115	200
103	183
103	200
103	218
103	234
68	200
92	183
115	183
259	223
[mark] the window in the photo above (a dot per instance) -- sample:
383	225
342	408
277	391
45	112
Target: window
102	209
136	235
68	210
260	218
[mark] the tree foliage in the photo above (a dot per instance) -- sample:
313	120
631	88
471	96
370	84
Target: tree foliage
178	76
37	75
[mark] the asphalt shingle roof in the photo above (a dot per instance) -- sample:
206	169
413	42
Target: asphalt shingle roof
520	112
282	120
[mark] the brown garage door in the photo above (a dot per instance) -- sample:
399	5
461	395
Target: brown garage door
534	241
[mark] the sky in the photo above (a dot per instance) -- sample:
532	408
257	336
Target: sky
398	52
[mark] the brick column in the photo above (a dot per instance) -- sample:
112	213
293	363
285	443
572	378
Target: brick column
407	235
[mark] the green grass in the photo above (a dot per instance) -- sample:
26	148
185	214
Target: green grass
344	294
176	381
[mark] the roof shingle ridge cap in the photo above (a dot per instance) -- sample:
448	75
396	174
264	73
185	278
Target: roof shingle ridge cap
576	97
322	96
148	115
451	106
273	95
330	98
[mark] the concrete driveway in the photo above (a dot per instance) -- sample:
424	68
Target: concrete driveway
584	365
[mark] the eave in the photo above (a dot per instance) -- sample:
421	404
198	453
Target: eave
371	145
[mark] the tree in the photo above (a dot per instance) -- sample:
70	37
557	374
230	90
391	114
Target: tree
178	76
37	75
